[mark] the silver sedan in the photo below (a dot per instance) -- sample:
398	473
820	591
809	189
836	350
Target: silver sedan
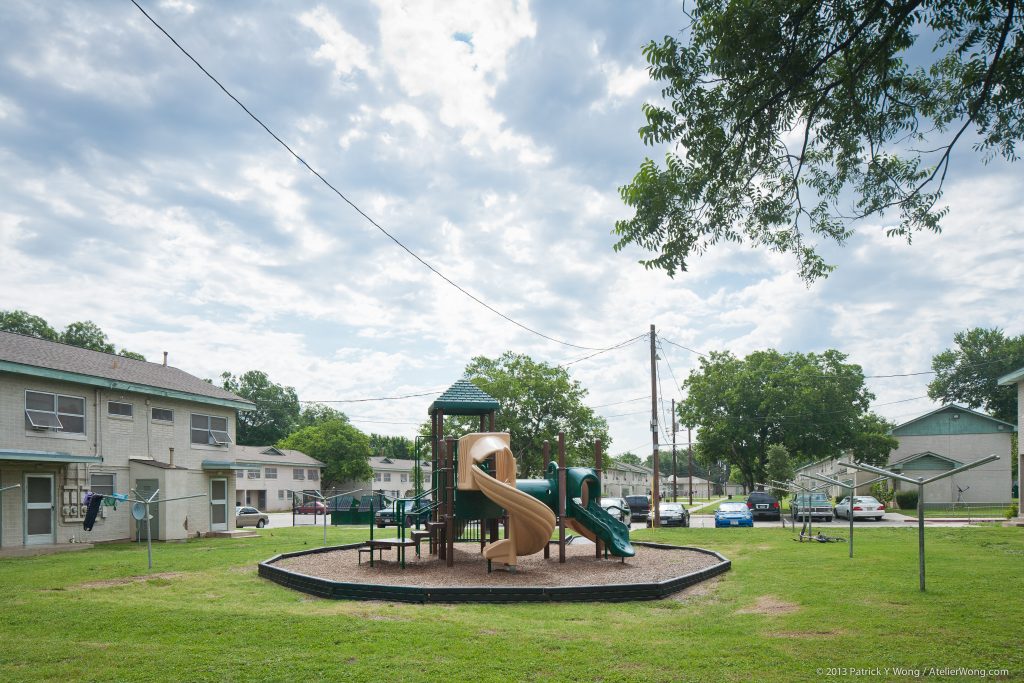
250	516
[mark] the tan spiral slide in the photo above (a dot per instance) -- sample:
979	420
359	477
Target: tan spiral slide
530	521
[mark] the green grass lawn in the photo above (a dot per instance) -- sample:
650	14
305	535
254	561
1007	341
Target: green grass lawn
785	611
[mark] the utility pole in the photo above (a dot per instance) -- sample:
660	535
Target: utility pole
655	488
675	472
689	450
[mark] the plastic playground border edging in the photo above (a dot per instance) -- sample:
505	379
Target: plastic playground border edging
337	590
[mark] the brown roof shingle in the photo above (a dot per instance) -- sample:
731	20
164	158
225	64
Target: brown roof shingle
40	353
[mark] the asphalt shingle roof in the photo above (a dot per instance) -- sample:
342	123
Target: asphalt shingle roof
464	398
287	456
40	353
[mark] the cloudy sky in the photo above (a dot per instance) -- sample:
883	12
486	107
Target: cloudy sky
489	138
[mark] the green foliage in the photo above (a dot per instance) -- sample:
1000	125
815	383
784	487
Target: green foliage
969	373
22	322
537	401
87	335
629	458
906	500
776	112
277	408
813	404
1012	511
317	413
873	443
883	492
779	467
343	448
391	446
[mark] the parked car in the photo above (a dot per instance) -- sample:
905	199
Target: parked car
812	505
617	508
418	512
312	507
672	514
250	516
733	514
864	507
764	505
639	508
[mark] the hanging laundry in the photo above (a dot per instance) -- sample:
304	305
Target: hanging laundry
95	501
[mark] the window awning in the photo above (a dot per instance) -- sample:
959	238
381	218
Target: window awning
223	465
46	456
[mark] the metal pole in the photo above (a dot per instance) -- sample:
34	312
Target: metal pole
920	531
545	450
655	488
689	451
149	537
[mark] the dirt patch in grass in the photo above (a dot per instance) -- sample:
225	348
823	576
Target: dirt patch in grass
701	590
804	634
162	579
769	604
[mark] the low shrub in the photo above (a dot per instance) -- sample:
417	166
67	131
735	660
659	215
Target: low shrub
907	500
1012	511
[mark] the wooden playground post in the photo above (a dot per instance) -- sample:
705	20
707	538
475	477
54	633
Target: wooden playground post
450	519
442	478
492	419
597	469
482	426
545	454
561	497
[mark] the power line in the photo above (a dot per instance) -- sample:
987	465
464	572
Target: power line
685	348
617	403
610	348
352	204
378	398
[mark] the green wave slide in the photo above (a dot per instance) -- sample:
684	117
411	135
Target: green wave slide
611	531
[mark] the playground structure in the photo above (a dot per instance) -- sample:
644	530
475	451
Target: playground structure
474	487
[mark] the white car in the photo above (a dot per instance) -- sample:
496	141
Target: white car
864	507
617	508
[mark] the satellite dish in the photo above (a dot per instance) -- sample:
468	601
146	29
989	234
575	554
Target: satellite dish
139	511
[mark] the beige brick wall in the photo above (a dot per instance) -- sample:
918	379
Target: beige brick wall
116	440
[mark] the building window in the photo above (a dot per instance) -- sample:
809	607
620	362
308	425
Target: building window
101	483
252	474
270	473
404	477
207	429
387	476
163	415
313	475
376	476
298	474
280	494
119	409
239	474
54	411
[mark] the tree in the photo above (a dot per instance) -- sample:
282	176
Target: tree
391	446
343	448
276	414
537	401
779	112
969	373
629	459
812	404
22	322
317	413
873	442
779	468
87	335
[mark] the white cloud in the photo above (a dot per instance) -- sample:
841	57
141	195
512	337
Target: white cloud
346	53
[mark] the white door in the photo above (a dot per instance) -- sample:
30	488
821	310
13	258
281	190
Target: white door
218	505
39	509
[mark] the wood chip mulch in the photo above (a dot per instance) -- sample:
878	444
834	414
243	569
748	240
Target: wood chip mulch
581	568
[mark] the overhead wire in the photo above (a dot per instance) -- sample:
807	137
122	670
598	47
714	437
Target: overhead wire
351	203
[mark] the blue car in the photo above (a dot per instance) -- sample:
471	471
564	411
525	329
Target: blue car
733	514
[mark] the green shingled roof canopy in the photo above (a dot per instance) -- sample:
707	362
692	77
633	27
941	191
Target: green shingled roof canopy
464	398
